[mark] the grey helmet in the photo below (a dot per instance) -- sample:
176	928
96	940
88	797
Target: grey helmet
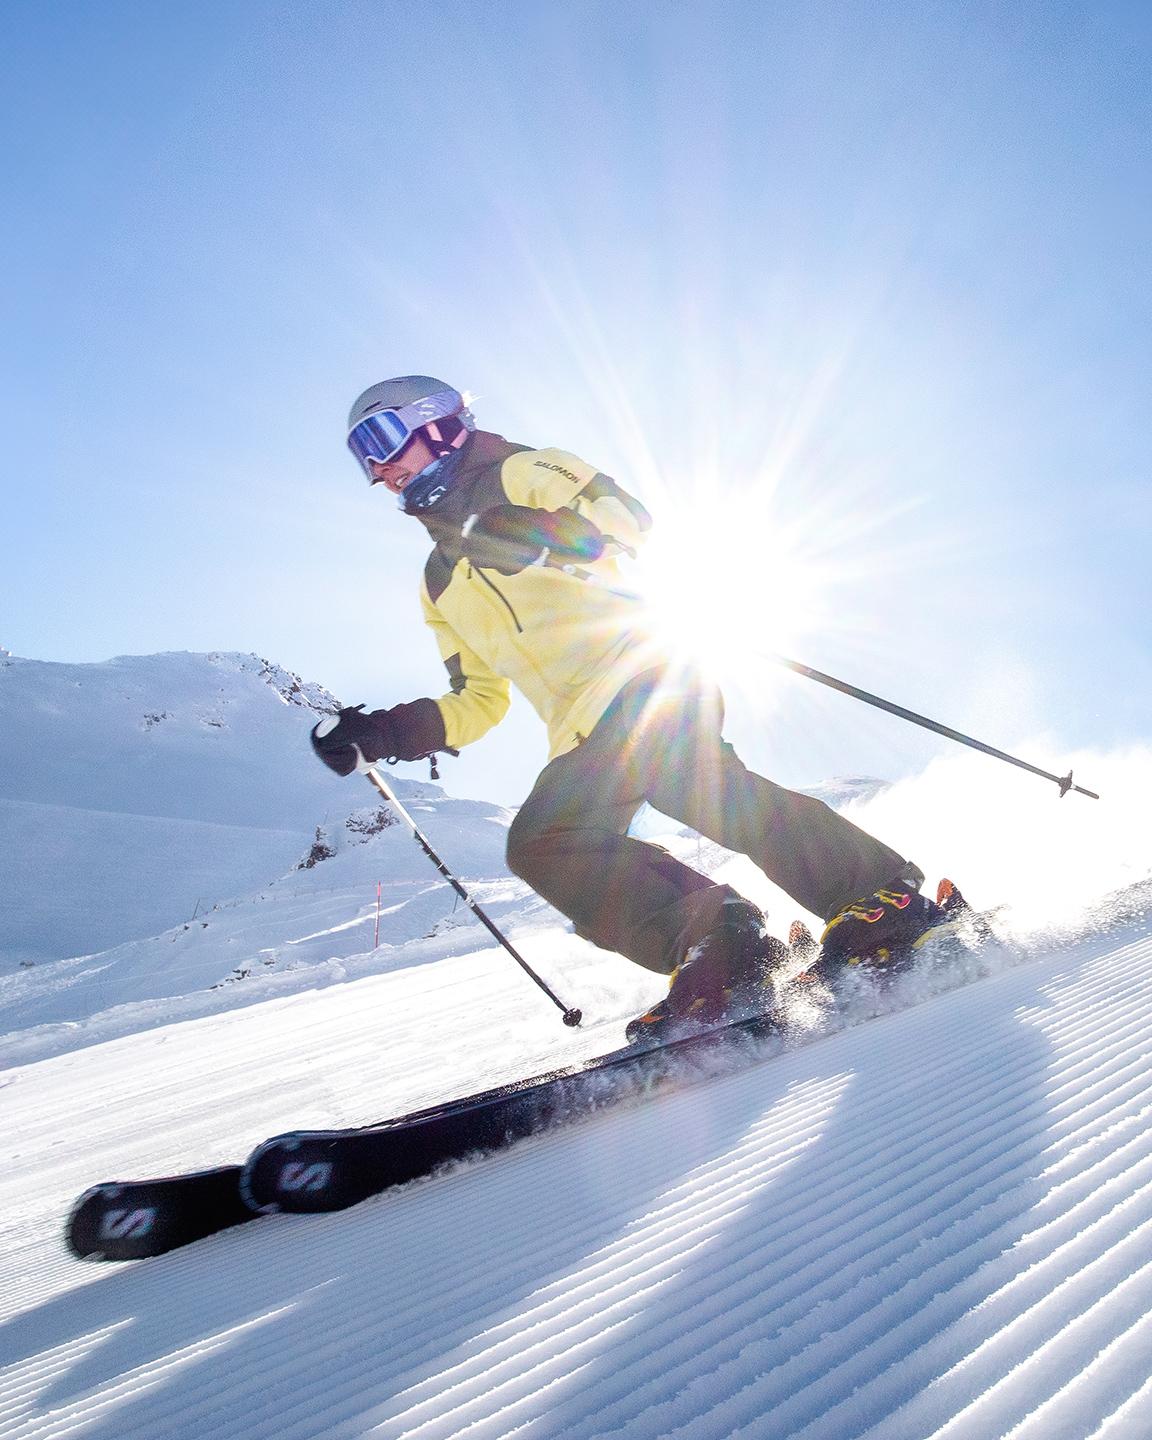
395	394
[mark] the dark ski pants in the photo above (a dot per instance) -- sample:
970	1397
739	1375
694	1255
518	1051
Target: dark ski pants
660	741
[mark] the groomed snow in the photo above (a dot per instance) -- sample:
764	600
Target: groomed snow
936	1223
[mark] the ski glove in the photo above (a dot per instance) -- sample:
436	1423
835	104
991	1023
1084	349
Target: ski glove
406	732
510	538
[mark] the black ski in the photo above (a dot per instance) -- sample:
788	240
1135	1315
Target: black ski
314	1170
131	1219
134	1219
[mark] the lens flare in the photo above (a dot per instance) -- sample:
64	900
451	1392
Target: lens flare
723	585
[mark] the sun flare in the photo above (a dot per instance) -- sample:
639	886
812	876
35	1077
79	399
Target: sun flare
725	586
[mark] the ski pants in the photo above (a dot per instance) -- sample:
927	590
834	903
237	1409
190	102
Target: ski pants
659	741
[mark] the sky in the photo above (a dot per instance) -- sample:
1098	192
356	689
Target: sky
854	297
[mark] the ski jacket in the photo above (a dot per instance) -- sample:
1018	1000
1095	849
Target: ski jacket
564	630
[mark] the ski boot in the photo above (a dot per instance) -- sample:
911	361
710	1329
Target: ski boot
726	976
803	946
970	926
882	931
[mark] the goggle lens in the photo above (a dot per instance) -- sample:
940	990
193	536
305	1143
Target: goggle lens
378	438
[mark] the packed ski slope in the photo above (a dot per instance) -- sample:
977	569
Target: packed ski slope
932	1218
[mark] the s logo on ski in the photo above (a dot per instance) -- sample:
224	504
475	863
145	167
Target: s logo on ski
295	1177
127	1224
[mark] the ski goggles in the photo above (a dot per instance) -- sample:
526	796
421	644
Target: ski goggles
382	436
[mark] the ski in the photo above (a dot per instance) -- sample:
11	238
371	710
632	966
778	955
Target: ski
137	1219
133	1219
317	1170
306	1171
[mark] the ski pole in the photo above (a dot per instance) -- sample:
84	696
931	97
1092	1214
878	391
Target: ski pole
571	1015
1064	781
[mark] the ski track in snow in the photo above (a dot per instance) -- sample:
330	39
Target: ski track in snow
935	1224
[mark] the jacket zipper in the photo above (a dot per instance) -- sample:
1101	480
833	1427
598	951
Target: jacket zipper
497	591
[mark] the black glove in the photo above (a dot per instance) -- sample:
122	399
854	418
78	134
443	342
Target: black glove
509	538
406	732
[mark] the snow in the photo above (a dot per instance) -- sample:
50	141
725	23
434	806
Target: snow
932	1218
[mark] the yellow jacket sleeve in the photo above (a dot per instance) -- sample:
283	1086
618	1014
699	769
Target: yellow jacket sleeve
555	479
479	698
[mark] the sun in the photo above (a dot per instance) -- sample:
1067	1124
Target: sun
726	586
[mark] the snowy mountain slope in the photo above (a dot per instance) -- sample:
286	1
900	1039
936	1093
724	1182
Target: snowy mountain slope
78	881
136	791
846	789
311	926
933	1224
212	737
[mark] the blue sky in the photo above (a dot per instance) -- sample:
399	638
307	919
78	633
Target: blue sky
870	282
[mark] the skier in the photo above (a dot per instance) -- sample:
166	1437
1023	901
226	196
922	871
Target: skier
522	586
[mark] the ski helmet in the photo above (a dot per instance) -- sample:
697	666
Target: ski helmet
387	415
